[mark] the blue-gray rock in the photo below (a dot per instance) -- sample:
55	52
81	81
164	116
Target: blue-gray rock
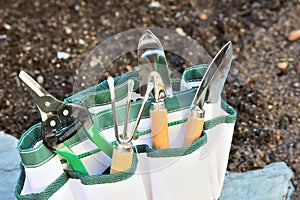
269	183
9	165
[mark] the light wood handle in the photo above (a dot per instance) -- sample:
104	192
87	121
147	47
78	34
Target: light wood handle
193	130
159	128
121	160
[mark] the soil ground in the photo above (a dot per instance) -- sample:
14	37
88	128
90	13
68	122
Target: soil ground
265	96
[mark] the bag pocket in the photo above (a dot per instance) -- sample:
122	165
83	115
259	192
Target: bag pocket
40	167
126	184
58	189
193	172
179	173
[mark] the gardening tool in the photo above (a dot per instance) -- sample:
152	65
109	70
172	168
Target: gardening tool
123	152
158	113
215	88
152	58
60	121
127	113
213	79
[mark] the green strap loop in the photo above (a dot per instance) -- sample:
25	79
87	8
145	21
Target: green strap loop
101	143
73	160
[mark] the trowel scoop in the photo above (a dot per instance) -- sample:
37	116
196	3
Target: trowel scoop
151	57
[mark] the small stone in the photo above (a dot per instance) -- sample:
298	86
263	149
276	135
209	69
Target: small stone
27	48
106	74
270	107
154	4
282	65
237	155
68	30
40	79
178	14
296	168
62	55
203	16
81	41
274	178
4	36
298	68
248	80
180	31
105	22
294	35
93	62
298	148
7	26
77	7
129	68
9	165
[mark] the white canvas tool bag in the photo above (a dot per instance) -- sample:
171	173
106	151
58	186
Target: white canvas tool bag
193	172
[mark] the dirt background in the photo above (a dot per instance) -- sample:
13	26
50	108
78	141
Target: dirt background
265	94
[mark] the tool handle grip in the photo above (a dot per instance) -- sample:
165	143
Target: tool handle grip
194	127
159	128
121	160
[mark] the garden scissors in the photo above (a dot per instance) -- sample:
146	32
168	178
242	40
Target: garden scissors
60	121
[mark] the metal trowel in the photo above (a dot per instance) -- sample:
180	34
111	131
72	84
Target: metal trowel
151	58
209	91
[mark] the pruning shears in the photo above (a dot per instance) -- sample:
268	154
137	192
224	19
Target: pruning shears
60	121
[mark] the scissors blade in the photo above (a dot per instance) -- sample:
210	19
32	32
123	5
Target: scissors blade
43	99
32	84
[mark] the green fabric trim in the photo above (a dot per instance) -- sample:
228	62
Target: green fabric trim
46	194
102	97
180	101
86	154
33	155
194	73
106	178
138	134
173	152
99	95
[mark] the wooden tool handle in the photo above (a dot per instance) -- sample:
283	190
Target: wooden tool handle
159	128
193	130
121	160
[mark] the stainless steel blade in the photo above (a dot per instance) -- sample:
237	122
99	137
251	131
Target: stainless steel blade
201	94
159	88
216	86
127	112
44	101
32	84
151	57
